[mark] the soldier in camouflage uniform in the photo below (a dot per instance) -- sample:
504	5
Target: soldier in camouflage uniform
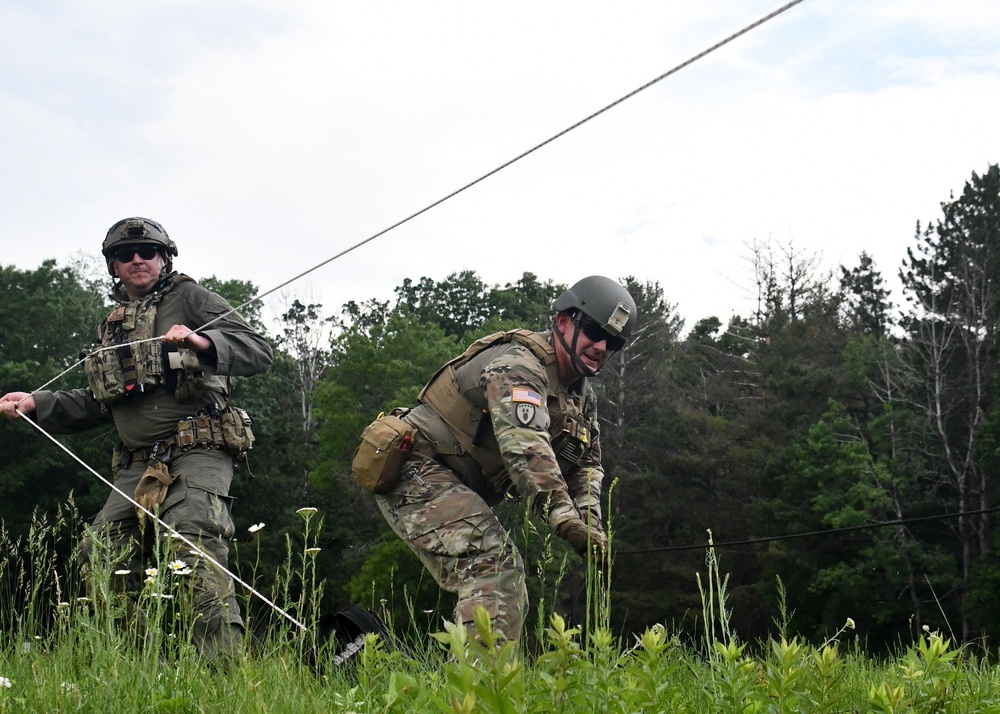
167	399
515	412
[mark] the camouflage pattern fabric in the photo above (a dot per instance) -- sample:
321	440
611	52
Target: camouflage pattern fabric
460	541
528	410
152	416
441	508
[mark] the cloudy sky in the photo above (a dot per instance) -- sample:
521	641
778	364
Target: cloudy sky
268	136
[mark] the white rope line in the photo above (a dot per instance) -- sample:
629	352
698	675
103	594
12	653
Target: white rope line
485	176
372	237
170	529
536	147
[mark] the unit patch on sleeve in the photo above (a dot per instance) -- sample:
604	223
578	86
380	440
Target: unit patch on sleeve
526	403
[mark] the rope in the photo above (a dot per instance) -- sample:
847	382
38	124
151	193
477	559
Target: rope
846	529
472	183
526	153
170	529
382	232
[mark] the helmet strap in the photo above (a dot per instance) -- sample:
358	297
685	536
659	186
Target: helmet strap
578	366
118	291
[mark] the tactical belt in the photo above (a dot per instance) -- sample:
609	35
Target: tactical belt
197	432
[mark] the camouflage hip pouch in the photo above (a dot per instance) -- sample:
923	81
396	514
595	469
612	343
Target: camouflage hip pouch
385	445
229	431
237	436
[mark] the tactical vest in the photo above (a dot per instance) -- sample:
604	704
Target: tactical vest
129	361
457	397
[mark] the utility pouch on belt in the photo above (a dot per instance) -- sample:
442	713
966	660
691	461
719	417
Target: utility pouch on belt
200	430
151	491
121	458
228	430
378	460
237	436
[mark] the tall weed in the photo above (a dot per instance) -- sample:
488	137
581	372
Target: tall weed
68	651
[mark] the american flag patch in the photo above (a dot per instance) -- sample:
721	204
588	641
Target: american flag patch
527	396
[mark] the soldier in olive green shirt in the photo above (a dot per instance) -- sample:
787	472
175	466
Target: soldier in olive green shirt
163	381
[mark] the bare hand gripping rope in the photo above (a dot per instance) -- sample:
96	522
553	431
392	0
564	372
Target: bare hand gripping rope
357	245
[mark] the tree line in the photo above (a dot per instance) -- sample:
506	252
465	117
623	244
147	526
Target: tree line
842	450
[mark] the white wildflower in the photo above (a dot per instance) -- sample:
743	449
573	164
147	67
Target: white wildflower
123	571
256	527
179	567
83	600
6	683
307	511
849	624
312	551
152	572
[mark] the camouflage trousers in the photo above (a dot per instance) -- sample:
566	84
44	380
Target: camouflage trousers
461	543
197	506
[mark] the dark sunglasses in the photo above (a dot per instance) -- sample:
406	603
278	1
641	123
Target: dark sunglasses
596	333
124	255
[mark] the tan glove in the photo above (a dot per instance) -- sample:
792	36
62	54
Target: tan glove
576	533
151	490
592	518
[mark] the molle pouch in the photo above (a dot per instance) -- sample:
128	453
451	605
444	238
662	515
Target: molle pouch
120	458
207	431
121	371
237	436
190	375
570	444
201	430
378	460
104	375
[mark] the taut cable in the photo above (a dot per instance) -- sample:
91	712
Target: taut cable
380	233
171	530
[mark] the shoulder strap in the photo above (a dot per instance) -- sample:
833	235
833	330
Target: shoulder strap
467	421
537	342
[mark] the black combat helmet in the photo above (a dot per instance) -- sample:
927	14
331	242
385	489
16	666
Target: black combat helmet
138	231
598	302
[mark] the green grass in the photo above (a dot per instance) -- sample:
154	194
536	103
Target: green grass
61	654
